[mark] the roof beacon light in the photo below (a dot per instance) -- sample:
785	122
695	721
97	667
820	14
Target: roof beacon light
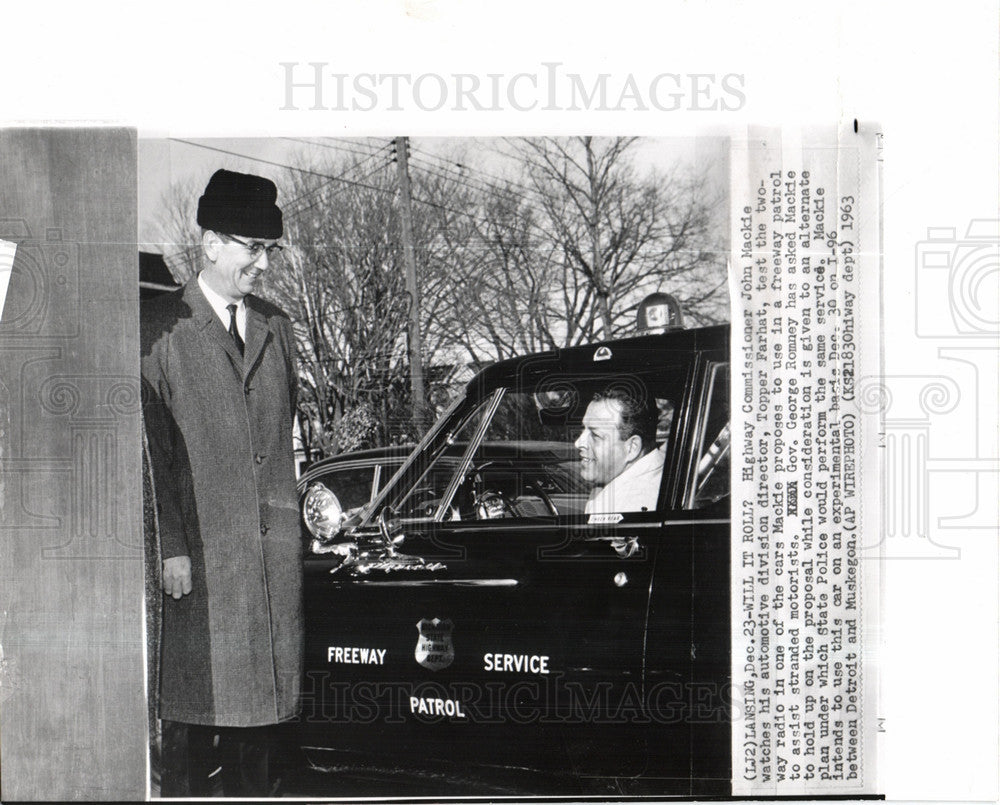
659	313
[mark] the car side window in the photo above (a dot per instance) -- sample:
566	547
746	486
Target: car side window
525	466
529	463
424	489
519	453
711	471
540	483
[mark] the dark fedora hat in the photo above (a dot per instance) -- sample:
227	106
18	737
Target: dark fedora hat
240	204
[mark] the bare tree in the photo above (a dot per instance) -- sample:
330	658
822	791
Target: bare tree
177	231
619	236
507	302
343	289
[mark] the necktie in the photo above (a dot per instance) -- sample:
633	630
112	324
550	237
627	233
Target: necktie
233	331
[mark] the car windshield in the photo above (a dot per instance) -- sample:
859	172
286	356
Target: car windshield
514	454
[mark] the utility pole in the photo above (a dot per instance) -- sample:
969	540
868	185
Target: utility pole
414	343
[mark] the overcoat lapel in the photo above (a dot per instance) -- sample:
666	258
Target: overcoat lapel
201	311
258	334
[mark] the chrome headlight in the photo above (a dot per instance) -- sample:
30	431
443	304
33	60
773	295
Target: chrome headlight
322	512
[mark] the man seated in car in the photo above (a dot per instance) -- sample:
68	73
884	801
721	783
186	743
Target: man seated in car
618	451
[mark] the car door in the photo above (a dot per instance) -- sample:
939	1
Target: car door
688	658
514	634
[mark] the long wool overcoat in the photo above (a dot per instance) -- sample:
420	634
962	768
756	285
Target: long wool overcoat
220	442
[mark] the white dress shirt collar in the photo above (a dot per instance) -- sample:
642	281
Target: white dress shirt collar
221	307
636	489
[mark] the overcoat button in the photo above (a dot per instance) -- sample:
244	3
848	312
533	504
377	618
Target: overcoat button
259	458
263	529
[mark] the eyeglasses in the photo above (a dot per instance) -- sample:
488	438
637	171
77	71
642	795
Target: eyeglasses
255	247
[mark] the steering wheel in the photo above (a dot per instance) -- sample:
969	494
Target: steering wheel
425	503
492	504
534	489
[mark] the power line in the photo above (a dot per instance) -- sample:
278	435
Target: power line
355	141
468	182
374	170
322	175
366	154
463	167
340	178
465	183
479	184
271	162
450	209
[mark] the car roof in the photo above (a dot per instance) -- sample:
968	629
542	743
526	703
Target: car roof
607	357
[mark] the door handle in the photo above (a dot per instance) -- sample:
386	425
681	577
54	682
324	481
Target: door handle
625	546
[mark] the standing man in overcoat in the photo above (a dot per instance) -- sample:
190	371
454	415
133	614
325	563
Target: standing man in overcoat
219	376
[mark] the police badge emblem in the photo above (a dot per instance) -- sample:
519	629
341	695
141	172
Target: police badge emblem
434	648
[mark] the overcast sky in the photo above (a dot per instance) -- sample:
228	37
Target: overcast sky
164	161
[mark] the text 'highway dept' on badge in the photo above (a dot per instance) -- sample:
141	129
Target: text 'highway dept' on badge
434	648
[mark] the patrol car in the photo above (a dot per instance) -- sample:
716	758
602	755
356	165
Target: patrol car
471	611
